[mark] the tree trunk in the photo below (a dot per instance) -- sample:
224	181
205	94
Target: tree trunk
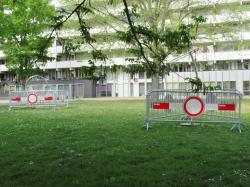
155	82
156	77
23	85
155	85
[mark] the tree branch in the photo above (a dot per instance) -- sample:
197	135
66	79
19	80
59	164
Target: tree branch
135	36
67	18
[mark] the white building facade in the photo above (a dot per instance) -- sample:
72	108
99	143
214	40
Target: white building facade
223	58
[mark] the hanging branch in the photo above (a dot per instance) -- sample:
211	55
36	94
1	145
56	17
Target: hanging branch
142	52
59	24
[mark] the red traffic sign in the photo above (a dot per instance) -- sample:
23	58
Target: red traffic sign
32	98
193	106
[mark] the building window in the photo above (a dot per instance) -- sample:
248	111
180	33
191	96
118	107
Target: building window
149	86
141	89
104	90
141	75
219	84
161	85
239	65
229	85
2	62
181	67
206	66
222	65
246	87
246	64
59	42
131	89
188	67
148	76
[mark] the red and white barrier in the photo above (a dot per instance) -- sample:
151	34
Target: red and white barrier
194	106
38	98
222	106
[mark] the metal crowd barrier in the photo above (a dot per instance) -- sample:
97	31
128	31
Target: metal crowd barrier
39	98
188	108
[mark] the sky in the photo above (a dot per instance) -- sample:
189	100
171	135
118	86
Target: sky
55	2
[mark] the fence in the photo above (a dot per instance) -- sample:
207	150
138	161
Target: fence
194	108
74	90
38	98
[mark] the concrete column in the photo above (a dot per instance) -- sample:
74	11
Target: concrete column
70	90
239	81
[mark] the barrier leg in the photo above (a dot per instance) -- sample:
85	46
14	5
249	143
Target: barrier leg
237	126
147	124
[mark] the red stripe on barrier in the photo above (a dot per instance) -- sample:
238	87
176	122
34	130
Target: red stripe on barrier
160	106
228	107
48	98
16	98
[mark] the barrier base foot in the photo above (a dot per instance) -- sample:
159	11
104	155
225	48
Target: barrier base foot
238	126
148	126
191	124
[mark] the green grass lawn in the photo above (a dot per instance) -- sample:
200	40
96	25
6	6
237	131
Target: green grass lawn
103	143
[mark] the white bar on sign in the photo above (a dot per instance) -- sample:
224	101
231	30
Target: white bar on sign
210	107
175	106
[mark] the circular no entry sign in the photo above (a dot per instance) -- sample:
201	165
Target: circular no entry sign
32	98
193	106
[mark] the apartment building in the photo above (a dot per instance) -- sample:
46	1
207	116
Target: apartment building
223	57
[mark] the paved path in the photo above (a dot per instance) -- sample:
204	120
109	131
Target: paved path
4	101
114	98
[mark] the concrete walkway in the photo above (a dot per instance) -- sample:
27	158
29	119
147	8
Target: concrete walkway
112	98
4	101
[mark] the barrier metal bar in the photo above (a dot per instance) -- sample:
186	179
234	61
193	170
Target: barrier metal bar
39	98
219	106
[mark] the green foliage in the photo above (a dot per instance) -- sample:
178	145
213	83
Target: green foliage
172	41
89	72
70	46
115	68
99	55
24	44
134	68
150	44
94	72
197	85
82	10
153	45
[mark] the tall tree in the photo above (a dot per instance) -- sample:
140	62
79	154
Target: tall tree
23	35
159	29
155	30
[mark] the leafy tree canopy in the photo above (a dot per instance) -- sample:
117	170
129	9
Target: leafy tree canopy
23	35
154	35
150	37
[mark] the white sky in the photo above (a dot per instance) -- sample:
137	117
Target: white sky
55	2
